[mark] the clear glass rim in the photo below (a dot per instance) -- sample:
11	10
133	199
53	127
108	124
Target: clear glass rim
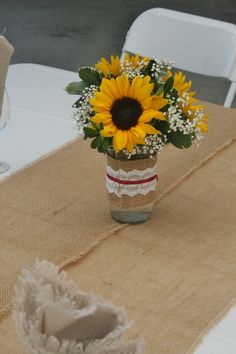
5	109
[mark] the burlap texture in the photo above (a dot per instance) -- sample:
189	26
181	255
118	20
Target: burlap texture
175	274
6	51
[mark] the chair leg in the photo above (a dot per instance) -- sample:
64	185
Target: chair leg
230	95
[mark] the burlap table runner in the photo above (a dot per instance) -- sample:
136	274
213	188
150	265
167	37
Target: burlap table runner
165	272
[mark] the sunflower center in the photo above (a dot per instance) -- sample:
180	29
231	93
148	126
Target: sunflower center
126	112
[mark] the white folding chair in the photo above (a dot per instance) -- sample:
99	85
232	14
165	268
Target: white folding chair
198	44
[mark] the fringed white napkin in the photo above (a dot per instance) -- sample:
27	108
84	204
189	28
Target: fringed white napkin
53	316
6	51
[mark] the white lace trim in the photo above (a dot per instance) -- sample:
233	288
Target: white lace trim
134	175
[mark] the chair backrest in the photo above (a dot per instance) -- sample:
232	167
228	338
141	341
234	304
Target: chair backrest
194	43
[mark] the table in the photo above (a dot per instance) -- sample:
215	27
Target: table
41	122
41	118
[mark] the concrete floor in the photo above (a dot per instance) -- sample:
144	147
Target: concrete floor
72	33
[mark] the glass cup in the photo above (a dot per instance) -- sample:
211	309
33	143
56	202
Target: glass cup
131	187
5	112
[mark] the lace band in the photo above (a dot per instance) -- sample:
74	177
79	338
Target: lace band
131	183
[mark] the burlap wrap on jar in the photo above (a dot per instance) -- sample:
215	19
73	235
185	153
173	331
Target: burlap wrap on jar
131	186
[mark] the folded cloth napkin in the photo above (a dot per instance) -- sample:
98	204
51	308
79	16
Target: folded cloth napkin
6	51
53	316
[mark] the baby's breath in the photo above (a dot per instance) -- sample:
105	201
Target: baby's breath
160	69
153	144
84	112
130	71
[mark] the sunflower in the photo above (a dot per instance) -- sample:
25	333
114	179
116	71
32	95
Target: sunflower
202	125
189	108
183	91
114	67
109	68
125	109
135	60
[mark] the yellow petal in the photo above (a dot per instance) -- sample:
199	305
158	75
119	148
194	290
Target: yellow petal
130	141
149	114
135	138
203	127
126	88
105	87
103	66
127	58
97	103
146	79
120	140
114	88
149	129
109	68
159	115
158	102
115	65
104	98
197	107
146	103
138	131
144	93
108	131
123	85
102	117
136	86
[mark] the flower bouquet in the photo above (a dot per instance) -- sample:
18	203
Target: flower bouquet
130	110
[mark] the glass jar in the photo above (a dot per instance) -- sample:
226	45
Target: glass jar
131	186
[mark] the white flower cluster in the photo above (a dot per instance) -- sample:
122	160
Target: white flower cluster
83	113
184	100
185	124
176	121
160	68
153	144
198	117
131	72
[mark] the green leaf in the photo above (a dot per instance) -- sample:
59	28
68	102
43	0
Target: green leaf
159	91
76	88
174	93
168	84
165	108
100	146
90	133
147	70
156	85
106	144
162	125
77	103
180	140
95	142
90	76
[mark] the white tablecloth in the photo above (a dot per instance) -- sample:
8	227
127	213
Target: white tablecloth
41	117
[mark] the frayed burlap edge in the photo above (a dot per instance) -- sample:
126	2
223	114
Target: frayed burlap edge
209	327
69	261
